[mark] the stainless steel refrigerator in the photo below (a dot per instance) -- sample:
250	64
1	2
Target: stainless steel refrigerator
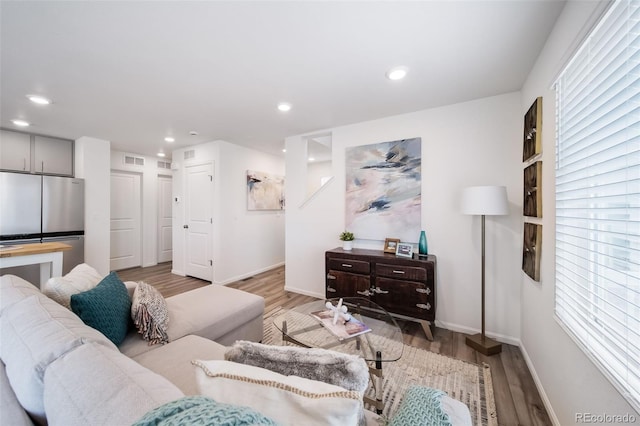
37	208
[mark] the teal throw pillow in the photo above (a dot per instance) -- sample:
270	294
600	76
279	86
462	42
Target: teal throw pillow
106	307
200	410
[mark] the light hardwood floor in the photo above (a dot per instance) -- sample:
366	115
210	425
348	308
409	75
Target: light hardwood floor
517	399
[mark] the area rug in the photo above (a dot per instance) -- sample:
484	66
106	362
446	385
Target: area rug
464	381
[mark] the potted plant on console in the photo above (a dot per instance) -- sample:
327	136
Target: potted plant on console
347	240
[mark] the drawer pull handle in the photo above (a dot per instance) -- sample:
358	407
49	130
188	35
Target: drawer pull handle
364	293
424	290
398	272
346	265
331	277
379	291
423	306
331	290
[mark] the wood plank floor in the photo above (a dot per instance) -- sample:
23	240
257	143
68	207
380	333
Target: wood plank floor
517	399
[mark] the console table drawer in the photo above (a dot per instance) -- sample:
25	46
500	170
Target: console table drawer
401	272
348	265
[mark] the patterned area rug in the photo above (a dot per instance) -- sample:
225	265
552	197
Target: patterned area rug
464	381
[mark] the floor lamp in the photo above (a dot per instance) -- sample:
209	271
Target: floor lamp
484	201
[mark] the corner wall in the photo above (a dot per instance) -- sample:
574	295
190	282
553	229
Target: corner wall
467	144
244	243
568	381
92	165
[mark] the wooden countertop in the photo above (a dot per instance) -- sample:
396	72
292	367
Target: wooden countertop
37	248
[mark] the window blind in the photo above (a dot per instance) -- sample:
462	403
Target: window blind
597	294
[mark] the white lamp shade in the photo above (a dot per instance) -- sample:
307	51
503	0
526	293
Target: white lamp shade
485	200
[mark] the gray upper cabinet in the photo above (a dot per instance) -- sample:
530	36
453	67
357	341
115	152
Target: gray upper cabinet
15	151
22	152
53	156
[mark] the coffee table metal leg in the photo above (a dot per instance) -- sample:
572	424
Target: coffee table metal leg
379	404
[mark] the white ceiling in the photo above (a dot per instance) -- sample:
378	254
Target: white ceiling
135	72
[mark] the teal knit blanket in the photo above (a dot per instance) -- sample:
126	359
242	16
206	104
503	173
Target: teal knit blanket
202	411
421	406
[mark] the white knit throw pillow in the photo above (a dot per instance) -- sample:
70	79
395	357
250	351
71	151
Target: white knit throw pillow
80	279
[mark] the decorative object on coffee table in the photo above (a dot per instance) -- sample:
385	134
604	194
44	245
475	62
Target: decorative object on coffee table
347	240
484	201
339	311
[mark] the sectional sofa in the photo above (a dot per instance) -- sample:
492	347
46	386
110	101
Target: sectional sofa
59	371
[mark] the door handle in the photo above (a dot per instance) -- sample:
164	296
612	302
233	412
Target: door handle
364	293
380	291
185	226
346	265
424	290
331	290
331	277
423	306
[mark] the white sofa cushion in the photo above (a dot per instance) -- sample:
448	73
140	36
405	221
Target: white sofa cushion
80	279
11	412
173	361
33	333
289	400
13	289
93	385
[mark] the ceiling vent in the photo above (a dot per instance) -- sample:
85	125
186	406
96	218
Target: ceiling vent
133	161
164	165
189	154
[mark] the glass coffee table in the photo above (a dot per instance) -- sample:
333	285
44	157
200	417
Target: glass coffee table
384	343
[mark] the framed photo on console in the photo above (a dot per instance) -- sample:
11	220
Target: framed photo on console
404	250
390	245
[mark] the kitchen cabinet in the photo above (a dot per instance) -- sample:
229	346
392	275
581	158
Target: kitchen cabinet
23	152
404	287
53	156
15	151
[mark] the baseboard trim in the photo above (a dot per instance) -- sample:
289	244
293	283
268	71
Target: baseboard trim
469	330
304	292
248	274
178	272
536	380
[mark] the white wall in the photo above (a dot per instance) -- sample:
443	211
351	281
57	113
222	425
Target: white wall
244	242
472	143
92	165
149	192
570	381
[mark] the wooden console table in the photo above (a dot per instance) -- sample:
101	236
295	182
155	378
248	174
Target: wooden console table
48	255
405	287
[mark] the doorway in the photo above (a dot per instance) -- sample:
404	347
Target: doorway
199	221
126	207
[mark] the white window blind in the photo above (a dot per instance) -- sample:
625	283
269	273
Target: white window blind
598	197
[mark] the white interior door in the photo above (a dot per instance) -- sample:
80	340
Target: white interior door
198	226
126	206
165	245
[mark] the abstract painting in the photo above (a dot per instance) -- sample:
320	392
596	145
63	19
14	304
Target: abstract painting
384	190
265	191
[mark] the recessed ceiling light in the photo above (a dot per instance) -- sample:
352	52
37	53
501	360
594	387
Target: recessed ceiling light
40	100
161	154
284	107
284	150
21	123
312	159
397	73
169	139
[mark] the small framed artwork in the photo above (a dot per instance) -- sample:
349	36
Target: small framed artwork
390	245
532	140
531	250
532	205
404	250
